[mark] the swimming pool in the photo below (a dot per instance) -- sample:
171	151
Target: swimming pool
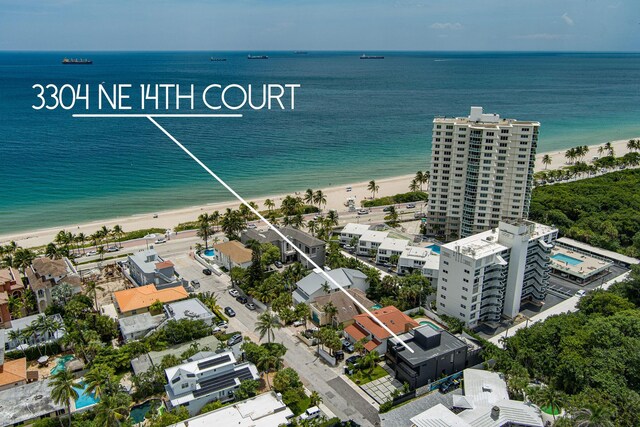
566	258
376	307
431	325
434	248
60	362
209	252
139	411
84	399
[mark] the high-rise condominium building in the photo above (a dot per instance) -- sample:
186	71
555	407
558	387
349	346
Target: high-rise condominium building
486	276
481	172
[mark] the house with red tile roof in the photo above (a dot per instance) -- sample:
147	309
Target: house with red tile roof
365	327
10	286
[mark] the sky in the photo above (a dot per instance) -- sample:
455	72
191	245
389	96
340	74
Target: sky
424	25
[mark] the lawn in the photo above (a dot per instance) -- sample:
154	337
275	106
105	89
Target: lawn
363	377
300	406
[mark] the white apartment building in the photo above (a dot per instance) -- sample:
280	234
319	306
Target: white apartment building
423	259
481	172
485	277
370	241
390	247
352	230
206	377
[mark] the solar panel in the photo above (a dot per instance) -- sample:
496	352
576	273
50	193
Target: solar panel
222	382
214	362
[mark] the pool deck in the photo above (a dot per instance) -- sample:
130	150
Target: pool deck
588	268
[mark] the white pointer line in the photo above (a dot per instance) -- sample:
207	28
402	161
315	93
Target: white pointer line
229	115
279	233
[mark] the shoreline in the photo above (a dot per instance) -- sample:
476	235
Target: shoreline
336	197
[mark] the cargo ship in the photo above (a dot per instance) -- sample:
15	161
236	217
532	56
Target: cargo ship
77	61
218	59
257	57
371	57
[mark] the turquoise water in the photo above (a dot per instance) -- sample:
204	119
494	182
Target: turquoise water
566	258
354	120
60	363
85	399
431	325
376	307
209	252
434	248
139	411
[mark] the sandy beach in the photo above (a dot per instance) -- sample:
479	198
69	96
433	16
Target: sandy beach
336	198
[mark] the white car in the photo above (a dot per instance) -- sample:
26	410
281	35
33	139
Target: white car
251	226
234	293
298	323
92	253
312	412
581	293
158	241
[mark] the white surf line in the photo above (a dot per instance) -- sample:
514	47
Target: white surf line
120	115
279	233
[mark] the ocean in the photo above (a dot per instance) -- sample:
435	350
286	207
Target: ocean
354	120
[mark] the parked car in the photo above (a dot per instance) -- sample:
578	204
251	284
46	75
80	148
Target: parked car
278	264
229	312
387	209
222	324
235	339
195	284
411	206
113	249
353	360
206	272
349	189
251	226
250	306
363	211
234	293
347	346
189	288
299	322
92	253
159	241
581	293
339	355
310	413
241	299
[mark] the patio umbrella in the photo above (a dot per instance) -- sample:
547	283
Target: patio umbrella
43	359
23	347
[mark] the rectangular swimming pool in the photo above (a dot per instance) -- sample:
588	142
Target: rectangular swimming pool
566	258
435	249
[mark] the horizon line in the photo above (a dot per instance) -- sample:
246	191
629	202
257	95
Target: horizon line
321	50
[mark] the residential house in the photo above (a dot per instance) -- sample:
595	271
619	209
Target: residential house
390	247
146	361
139	325
346	309
45	274
312	247
138	300
436	353
36	337
316	284
191	309
26	403
425	260
10	286
148	268
351	231
364	327
264	410
485	403
206	377
370	241
232	254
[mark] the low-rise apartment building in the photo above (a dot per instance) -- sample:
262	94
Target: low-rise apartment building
390	247
232	254
370	241
352	232
425	260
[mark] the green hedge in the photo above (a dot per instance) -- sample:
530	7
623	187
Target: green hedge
32	353
138	234
412	196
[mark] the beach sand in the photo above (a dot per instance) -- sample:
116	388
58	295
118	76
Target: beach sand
336	197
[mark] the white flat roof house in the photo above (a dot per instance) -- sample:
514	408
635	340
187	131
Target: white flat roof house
206	377
369	240
264	410
389	247
352	230
191	309
423	259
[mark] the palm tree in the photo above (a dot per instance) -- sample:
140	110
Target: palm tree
609	148
315	398
112	410
592	416
91	290
550	398
62	390
330	310
373	187
22	258
370	361
312	226
99	381
320	199
204	228
117	232
419	179
601	150
269	204
18	336
266	363
81	238
308	196
266	324
414	186
546	160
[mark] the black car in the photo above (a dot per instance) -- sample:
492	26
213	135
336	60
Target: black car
241	299
353	360
229	312
387	209
206	272
278	264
